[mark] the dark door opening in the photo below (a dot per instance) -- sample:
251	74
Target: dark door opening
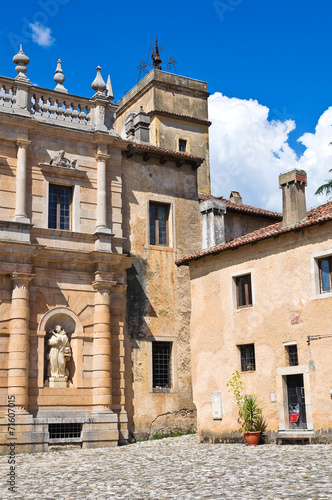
296	402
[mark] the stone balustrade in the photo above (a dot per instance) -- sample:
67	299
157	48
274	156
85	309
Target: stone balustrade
17	97
63	108
7	92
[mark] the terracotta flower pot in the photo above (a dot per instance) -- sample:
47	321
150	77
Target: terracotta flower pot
252	438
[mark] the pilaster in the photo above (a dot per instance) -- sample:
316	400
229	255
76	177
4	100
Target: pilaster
18	358
21	182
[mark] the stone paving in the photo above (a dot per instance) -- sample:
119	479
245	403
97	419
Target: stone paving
174	468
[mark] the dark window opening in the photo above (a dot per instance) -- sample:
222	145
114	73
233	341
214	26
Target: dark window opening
243	291
182	145
161	363
65	431
158	223
292	355
248	363
59	207
325	274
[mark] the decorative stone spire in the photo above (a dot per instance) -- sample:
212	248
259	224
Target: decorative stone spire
59	78
98	83
109	88
156	60
22	61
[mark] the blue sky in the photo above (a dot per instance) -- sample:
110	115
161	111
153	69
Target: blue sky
274	52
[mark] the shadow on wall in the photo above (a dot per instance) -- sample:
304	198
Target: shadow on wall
138	304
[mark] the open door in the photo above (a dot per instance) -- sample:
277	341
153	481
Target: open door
296	402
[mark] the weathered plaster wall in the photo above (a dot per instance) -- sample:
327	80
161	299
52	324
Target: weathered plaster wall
161	91
158	293
240	224
286	308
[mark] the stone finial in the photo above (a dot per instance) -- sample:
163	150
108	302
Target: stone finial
98	83
22	61
59	78
109	88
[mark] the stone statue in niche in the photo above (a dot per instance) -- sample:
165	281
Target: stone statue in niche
61	161
58	355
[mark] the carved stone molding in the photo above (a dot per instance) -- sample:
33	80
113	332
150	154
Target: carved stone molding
23	143
101	156
21	280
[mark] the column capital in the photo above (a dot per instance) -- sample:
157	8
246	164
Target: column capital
101	155
23	143
102	283
21	278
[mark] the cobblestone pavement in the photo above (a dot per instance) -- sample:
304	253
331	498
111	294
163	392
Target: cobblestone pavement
174	468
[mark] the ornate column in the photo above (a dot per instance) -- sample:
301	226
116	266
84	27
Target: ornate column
102	369
21	181
101	225
18	358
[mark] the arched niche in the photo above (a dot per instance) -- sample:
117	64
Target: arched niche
70	322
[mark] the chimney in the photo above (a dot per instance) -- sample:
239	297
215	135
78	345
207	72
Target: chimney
213	229
235	197
293	185
141	124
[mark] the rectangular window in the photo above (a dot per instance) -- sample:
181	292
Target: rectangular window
158	223
243	291
325	274
247	352
182	145
292	355
161	365
59	207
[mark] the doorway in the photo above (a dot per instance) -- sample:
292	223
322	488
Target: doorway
296	402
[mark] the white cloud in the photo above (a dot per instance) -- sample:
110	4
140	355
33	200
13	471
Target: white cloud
248	152
41	35
317	158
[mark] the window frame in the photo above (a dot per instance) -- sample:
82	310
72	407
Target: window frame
168	224
243	360
321	284
173	365
316	275
70	190
247	291
184	143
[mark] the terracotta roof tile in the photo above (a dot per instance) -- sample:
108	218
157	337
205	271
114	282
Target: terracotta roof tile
318	215
141	148
241	208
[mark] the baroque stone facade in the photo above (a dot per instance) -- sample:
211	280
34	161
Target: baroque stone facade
91	189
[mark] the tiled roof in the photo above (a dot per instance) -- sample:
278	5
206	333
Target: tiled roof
176	116
241	208
164	154
318	215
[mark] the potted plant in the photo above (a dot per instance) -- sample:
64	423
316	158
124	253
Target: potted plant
251	419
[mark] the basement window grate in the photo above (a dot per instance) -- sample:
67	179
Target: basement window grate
66	431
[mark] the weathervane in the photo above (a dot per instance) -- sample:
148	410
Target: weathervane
156	60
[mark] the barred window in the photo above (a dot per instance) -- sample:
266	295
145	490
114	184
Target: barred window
161	364
158	223
248	362
65	431
292	355
59	207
